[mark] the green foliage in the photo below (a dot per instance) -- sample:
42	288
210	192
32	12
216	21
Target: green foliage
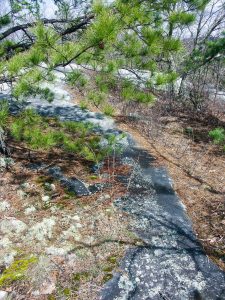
211	50
4	113
105	80
4	20
105	28
35	56
60	53
28	5
46	37
15	64
162	79
76	77
89	154
97	98
218	136
4	48
114	144
125	34
131	92
74	137
45	94
128	90
130	45
81	129
29	85
215	48
150	35
108	110
37	140
29	127
17	270
171	45
72	147
83	104
181	18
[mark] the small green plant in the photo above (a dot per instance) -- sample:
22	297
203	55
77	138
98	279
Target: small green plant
67	292
71	146
4	113
97	98
17	129
38	140
108	110
89	154
17	270
114	143
30	127
59	137
76	127
107	277
83	104
218	136
46	94
76	77
130	92
82	276
74	137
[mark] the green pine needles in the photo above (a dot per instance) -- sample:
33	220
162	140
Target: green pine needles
45	134
132	35
218	136
4	113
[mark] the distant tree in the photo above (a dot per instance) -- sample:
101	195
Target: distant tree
201	66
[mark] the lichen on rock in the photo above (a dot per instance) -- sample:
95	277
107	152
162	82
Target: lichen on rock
43	230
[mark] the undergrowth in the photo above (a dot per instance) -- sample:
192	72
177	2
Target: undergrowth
218	136
43	133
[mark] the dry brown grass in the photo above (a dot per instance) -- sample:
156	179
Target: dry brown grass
194	163
197	170
103	237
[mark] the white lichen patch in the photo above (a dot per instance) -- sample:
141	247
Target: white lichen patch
4	205
58	251
41	273
126	286
43	230
88	240
8	258
72	232
5	243
76	218
21	194
45	198
29	210
11	226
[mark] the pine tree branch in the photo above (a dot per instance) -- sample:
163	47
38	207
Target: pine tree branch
76	56
77	26
83	21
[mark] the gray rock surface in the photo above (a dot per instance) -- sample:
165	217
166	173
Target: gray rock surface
171	264
72	184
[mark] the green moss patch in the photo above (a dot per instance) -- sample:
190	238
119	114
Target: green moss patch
17	270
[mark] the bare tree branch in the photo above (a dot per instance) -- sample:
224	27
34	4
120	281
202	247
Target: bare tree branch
83	21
